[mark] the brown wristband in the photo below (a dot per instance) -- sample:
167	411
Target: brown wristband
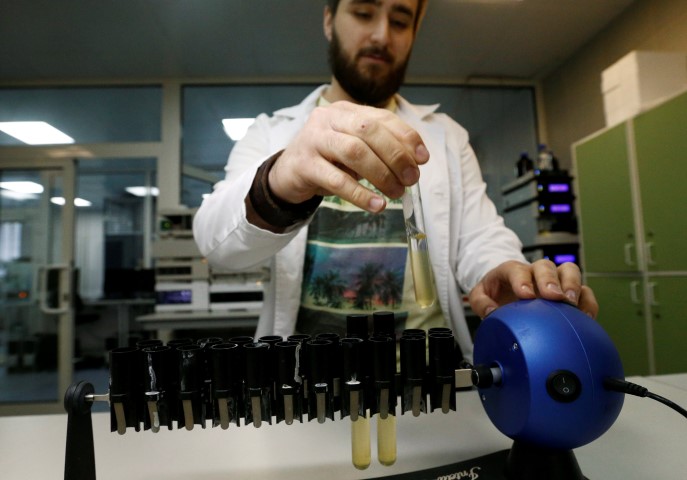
273	210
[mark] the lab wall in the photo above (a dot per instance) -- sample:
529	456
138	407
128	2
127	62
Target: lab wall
573	103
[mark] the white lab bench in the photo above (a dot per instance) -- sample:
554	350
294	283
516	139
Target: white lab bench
165	323
648	440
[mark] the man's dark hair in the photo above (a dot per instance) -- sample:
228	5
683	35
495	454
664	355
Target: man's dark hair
334	4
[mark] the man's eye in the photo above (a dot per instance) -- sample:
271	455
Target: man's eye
362	14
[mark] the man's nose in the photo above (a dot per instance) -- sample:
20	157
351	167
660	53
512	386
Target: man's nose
380	32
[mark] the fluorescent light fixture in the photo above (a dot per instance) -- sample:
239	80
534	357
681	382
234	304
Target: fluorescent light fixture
78	202
22	187
17	195
35	133
236	128
143	191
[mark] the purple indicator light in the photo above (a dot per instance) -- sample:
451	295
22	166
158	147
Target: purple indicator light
560	208
559	188
174	297
558	259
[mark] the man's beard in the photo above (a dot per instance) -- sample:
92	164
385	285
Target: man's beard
369	89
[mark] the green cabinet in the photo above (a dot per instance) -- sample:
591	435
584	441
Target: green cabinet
631	182
661	150
622	315
668	302
607	230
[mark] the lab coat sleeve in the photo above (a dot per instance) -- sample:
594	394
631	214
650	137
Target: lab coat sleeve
484	241
220	227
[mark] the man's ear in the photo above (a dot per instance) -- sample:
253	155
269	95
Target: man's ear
327	21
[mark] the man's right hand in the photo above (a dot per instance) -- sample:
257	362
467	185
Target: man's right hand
342	143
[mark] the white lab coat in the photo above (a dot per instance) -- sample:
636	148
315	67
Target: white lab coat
466	236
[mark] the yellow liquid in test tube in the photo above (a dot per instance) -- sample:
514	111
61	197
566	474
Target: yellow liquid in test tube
386	440
425	293
360	443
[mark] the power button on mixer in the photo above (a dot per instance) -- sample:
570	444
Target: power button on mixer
563	386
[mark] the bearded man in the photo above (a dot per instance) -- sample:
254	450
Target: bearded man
314	191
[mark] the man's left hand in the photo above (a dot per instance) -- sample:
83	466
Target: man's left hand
513	280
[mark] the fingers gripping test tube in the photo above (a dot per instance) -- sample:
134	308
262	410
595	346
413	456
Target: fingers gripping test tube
418	249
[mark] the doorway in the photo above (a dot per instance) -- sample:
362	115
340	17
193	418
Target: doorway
36	284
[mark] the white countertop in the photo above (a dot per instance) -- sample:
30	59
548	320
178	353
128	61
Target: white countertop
648	441
675	379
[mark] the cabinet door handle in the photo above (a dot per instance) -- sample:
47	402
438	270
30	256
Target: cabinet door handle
627	251
634	292
652	294
62	272
650	253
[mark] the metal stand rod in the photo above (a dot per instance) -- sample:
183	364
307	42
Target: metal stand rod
79	460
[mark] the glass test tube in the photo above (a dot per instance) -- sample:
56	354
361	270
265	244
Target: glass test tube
360	442
353	398
384	369
425	293
386	439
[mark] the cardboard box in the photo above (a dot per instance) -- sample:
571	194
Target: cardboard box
639	80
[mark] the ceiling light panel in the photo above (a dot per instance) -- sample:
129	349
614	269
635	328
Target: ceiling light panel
35	133
22	187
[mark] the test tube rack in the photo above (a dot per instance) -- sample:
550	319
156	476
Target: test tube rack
242	381
186	383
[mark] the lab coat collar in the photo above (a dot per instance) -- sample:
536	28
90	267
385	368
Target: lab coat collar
303	108
309	103
419	111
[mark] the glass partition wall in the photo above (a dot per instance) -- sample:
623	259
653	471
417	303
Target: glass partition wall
62	294
35	280
208	113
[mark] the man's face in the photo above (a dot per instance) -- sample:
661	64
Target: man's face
370	45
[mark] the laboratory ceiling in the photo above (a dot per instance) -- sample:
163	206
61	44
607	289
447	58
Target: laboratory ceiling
217	41
460	40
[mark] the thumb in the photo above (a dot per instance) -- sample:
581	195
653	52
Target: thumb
481	303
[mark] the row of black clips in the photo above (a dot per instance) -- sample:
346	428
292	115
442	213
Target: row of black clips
244	380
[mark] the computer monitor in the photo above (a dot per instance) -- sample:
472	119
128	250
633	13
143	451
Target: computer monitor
129	283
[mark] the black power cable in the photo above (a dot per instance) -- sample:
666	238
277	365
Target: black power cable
623	386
